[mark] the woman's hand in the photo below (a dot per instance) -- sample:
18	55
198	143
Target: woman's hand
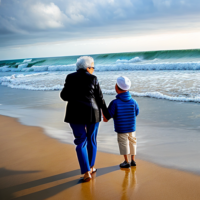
104	119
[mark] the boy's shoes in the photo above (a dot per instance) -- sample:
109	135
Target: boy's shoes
133	163
125	165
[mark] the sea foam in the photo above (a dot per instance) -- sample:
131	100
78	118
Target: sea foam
48	82
181	86
120	65
5	68
133	60
156	95
27	60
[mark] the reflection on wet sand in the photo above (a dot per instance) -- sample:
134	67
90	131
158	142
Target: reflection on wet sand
129	182
126	184
92	188
88	189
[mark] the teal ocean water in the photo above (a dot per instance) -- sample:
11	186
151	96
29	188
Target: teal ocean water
172	75
176	56
181	59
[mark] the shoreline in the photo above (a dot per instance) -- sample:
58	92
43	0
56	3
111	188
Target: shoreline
162	126
35	166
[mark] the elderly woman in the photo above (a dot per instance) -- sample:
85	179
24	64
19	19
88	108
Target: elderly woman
83	113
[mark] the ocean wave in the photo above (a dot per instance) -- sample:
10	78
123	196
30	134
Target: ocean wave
151	55
20	67
149	66
30	87
62	67
23	82
119	66
5	68
113	58
157	95
29	75
27	60
13	78
133	60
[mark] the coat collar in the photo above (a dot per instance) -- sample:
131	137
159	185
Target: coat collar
82	70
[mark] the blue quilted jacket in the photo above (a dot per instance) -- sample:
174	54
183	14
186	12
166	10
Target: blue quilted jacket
124	110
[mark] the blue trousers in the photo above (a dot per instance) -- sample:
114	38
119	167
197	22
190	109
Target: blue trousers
86	149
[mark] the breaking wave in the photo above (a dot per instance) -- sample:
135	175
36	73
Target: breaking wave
46	81
150	60
120	65
157	95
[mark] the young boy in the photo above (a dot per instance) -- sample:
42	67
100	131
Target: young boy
124	110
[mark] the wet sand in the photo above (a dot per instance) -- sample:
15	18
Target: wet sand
35	166
165	129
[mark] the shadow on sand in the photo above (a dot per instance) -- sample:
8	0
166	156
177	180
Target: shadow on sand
6	172
7	193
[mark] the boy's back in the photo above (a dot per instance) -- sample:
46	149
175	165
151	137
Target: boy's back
124	110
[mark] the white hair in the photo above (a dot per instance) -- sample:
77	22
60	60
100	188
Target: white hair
84	62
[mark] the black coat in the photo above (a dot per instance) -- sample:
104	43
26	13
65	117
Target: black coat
85	99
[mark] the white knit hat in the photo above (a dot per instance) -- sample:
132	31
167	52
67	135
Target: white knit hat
124	83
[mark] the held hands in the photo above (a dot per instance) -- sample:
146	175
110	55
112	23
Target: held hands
104	119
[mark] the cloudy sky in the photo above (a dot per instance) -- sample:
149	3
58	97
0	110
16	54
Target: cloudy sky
41	28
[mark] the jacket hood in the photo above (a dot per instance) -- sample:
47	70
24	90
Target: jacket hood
126	96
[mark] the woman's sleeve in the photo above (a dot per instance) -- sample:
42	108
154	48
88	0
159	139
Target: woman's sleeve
100	101
64	95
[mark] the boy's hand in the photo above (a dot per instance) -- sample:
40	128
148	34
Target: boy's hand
104	119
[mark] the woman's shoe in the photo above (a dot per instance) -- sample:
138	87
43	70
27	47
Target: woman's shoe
93	171
87	178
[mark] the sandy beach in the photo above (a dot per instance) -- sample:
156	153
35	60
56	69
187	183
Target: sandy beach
35	166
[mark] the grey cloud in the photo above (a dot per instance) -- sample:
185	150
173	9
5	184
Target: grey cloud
31	21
